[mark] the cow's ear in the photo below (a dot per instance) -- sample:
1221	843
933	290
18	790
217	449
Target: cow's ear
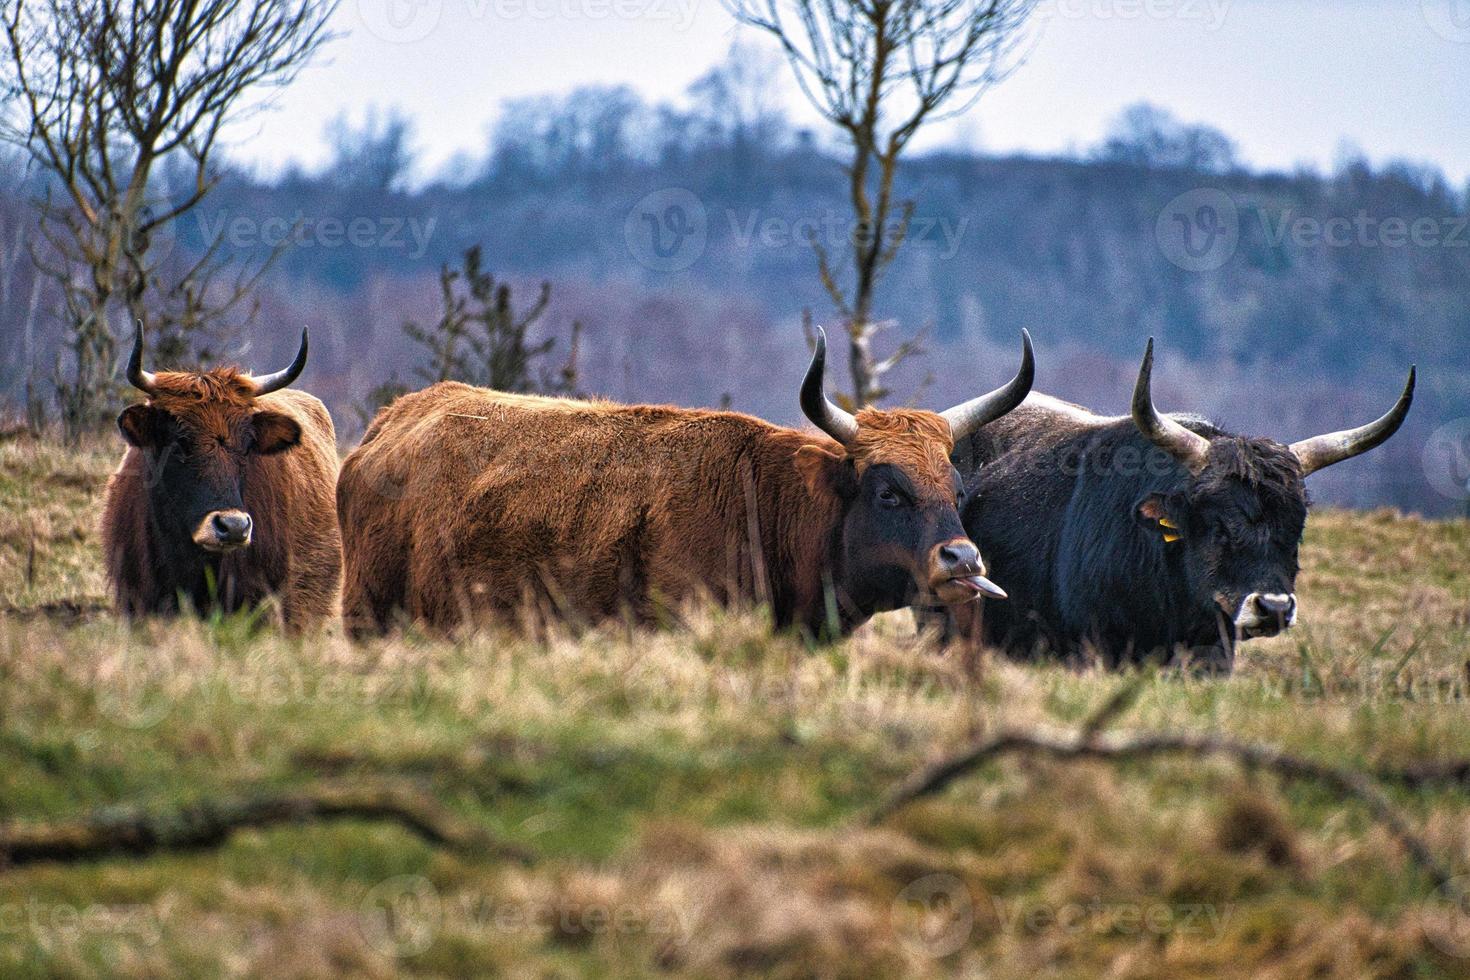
275	432
1151	508
1153	511
827	472
143	426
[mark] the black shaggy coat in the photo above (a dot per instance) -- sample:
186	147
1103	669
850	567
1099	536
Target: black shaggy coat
1053	500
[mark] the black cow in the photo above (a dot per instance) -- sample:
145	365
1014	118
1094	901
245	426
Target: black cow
1133	537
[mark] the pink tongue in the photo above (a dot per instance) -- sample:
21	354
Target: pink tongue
982	586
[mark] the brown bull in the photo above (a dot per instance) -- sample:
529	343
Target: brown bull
463	503
224	496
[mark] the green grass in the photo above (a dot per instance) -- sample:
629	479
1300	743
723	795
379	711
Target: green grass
690	794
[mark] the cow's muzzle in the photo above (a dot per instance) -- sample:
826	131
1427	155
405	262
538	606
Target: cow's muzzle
956	573
224	530
1265	614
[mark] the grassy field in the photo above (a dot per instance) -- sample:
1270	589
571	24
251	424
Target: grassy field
692	798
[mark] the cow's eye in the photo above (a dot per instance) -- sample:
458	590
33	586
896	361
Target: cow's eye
888	498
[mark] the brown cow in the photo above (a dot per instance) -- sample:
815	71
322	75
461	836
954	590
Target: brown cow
463	503
224	495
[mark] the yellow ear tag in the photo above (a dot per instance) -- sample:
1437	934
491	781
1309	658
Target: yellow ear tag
1170	538
1165	522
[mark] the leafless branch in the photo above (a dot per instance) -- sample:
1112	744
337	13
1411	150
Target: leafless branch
102	94
140	832
879	70
1092	742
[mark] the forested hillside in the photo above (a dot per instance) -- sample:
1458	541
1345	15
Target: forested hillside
1284	304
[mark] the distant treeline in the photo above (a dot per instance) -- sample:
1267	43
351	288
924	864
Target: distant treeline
1283	304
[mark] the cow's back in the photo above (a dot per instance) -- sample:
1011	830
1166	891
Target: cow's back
462	501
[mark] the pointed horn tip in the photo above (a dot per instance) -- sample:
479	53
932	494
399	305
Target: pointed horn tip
142	380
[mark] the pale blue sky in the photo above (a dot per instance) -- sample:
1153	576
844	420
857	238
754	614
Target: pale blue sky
1290	80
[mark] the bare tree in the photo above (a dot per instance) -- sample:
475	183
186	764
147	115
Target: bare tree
376	156
481	339
737	106
104	93
879	70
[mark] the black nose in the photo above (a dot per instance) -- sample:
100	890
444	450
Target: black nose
1278	606
961	557
232	527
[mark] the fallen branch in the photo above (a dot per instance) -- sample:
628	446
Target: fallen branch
1455	772
138	832
1091	743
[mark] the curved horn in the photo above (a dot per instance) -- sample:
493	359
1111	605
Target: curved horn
968	416
1189	448
814	403
267	383
137	377
1334	447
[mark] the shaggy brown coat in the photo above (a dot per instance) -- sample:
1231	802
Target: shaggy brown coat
463	502
296	549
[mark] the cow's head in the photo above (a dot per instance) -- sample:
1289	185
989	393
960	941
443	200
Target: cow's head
198	433
1234	518
902	540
